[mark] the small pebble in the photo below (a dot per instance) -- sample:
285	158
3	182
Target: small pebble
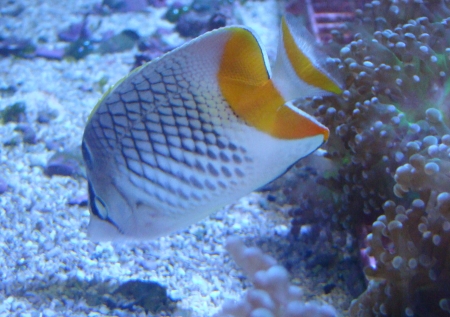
3	186
81	201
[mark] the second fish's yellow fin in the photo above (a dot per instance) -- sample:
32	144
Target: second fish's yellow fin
244	78
300	69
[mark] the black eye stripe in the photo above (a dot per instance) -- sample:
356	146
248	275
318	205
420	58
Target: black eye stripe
92	203
94	209
86	155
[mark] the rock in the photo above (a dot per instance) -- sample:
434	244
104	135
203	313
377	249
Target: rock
57	54
11	8
12	141
75	32
126	5
216	21
45	116
13	113
29	136
52	145
151	48
81	201
123	41
79	49
7	91
192	24
67	163
15	46
3	186
149	295
158	3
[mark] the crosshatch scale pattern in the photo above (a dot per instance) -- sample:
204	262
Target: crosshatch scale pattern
170	137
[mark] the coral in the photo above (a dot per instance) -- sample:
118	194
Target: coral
388	93
393	77
388	154
411	241
123	41
273	294
411	247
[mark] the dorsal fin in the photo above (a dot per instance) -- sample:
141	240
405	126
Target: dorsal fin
230	61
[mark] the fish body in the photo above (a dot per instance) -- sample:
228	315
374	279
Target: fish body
196	129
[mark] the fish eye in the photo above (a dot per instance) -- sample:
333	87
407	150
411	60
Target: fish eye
98	207
86	155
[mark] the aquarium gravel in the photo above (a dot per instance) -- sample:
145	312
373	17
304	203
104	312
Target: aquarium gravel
48	266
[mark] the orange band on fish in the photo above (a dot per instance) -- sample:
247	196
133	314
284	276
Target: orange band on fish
245	83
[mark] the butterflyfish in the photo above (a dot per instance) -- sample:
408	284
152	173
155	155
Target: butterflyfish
198	128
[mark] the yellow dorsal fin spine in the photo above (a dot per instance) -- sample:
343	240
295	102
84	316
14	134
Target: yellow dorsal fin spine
244	80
